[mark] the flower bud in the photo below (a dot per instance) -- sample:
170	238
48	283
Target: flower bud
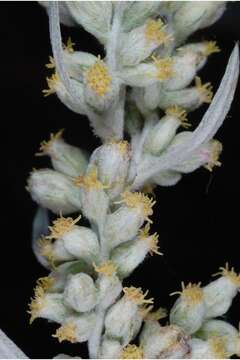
112	163
123	224
76	328
189	310
94	200
54	191
47	305
184	71
123	320
168	342
94	17
110	349
219	294
164	131
189	99
130	254
80	293
139	43
214	348
65	158
137	13
221	329
201	50
108	284
190	18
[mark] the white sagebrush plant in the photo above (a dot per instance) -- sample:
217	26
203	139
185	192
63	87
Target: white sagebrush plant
141	89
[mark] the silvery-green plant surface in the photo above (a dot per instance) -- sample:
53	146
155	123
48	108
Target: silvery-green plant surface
137	99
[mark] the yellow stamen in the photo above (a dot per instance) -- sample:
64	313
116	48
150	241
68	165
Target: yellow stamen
138	200
98	78
46	250
51	64
61	226
216	150
211	47
69	46
154	31
229	273
152	240
108	268
159	314
164	68
218	347
45	282
66	332
204	89
37	303
46	145
136	295
132	351
192	293
52	84
179	113
89	181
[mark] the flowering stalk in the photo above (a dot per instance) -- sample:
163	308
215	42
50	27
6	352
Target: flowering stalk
148	67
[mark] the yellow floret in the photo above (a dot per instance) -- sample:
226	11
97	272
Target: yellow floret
52	82
159	314
211	47
37	303
164	68
98	78
136	295
230	274
205	90
138	200
61	226
122	145
108	268
69	46
132	351
192	293
179	113
152	240
46	145
155	31
46	250
216	150
66	332
89	181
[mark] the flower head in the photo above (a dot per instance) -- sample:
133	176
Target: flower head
66	332
52	83
230	274
213	156
90	180
46	250
69	46
155	32
211	47
139	200
108	268
61	226
152	240
205	90
45	145
37	302
164	68
179	113
136	295
98	78
192	293
218	347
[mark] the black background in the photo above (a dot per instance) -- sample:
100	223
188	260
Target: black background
197	221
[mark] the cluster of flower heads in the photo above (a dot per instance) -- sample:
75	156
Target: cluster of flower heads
143	87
